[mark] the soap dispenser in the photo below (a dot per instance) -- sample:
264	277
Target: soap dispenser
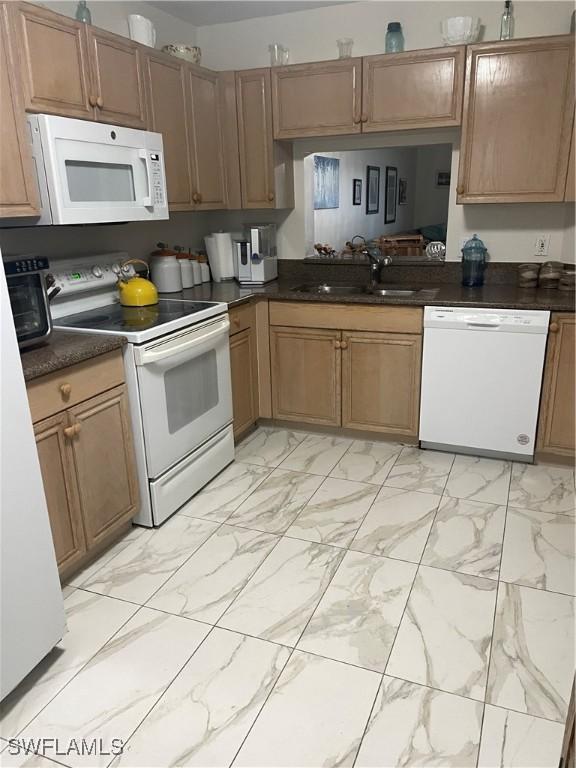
473	262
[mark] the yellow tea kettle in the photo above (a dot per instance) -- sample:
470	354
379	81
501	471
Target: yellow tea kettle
137	291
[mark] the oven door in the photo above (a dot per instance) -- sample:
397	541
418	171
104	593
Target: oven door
101	173
185	391
29	307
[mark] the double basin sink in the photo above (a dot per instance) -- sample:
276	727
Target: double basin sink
326	289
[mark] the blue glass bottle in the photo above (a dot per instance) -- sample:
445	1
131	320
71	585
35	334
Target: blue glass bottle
394	38
473	262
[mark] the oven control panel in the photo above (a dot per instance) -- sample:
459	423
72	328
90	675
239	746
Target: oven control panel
91	277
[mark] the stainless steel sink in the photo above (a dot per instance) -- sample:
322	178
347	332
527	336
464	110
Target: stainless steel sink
332	290
391	291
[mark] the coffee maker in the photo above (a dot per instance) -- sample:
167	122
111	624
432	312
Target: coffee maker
256	258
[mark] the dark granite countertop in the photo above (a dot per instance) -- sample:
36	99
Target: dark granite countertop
63	349
446	294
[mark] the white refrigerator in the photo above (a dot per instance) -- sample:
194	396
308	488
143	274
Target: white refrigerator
31	605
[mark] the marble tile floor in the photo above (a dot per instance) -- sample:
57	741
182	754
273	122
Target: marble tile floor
323	602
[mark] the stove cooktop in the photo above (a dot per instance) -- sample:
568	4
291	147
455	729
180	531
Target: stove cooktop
114	318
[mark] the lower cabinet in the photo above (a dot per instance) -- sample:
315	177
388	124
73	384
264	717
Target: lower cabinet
381	382
305	375
86	458
363	379
556	428
244	368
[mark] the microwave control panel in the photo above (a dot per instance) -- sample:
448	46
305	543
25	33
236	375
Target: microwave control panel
157	179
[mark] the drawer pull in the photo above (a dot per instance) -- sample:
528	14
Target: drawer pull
66	391
71	432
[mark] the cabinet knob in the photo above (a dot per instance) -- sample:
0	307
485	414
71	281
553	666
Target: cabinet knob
65	391
343	345
92	101
100	102
364	118
460	189
337	344
271	196
194	197
553	327
71	432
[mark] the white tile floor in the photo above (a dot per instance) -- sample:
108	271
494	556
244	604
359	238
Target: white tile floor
323	602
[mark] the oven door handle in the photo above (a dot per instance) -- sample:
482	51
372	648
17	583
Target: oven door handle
189	342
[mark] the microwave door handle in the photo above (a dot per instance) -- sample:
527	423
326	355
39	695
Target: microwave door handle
145	357
143	155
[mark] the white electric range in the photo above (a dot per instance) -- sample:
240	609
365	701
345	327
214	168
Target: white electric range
177	365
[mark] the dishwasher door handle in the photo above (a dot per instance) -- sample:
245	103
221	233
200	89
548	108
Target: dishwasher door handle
472	324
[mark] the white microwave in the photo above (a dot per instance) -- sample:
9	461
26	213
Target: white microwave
92	173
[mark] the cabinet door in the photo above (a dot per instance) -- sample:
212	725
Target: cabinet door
57	467
206	143
166	80
557	410
570	193
419	89
117	79
321	99
244	380
305	375
54	62
254	103
18	190
104	460
518	111
381	382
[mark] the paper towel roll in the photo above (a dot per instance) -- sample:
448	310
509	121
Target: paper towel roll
220	255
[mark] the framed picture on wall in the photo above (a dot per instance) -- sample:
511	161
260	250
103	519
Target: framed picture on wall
372	189
356	191
390	194
326	182
402	191
442	178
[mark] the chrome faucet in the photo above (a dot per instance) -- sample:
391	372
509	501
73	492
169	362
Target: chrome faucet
376	258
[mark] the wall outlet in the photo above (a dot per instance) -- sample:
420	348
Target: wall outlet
542	245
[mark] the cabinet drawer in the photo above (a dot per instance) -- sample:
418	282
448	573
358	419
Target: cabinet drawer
346	317
60	390
241	318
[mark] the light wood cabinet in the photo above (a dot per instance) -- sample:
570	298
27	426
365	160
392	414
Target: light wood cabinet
54	61
86	454
557	420
18	190
518	113
417	89
104	462
166	80
117	79
61	490
206	142
266	175
381	382
319	99
570	192
346	365
305	375
244	366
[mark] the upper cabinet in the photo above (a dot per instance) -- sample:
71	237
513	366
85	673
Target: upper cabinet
18	190
206	139
118	86
53	55
417	89
570	193
518	113
265	165
166	78
321	99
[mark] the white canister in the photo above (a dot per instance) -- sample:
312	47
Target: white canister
186	271
197	267
204	269
141	30
166	273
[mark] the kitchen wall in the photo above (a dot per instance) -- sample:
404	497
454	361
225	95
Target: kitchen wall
311	35
337	225
113	17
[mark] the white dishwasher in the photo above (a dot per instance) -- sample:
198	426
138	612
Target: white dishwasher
481	380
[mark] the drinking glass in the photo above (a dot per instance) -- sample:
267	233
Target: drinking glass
345	47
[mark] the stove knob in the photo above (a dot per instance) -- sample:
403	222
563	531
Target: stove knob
127	269
116	268
97	271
